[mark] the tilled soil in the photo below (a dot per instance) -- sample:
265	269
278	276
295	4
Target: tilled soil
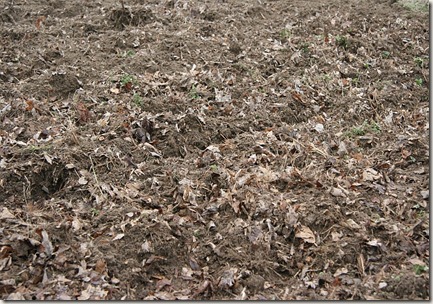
214	150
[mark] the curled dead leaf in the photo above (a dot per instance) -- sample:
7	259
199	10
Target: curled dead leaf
337	192
305	233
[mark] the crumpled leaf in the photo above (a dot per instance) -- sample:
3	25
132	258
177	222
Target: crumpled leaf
162	283
46	243
305	233
337	192
227	278
119	236
352	224
370	175
6	214
340	271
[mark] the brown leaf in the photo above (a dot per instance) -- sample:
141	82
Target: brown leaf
305	233
296	96
162	283
83	112
46	243
405	153
39	21
227	278
100	266
30	105
6	214
194	264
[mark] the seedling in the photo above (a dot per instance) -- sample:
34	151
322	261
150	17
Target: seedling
326	77
128	53
127	81
33	148
419	81
284	34
363	129
342	41
305	47
386	54
355	80
419	269
193	93
137	99
419	61
94	212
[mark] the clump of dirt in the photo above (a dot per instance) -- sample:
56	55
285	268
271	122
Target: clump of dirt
177	150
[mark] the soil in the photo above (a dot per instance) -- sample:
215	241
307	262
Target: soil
214	150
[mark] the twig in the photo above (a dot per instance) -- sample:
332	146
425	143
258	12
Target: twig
96	178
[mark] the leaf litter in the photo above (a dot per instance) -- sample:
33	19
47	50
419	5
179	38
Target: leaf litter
184	150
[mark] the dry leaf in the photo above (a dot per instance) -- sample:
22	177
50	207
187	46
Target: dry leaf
162	283
39	21
100	266
352	224
370	175
118	237
337	192
227	278
76	224
82	180
340	271
305	233
30	105
6	214
46	243
83	112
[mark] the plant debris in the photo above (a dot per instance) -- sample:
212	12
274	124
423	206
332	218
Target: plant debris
239	150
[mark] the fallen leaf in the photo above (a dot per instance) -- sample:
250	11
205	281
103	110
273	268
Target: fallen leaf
337	192
82	180
76	224
100	266
30	105
6	214
162	283
83	112
227	278
118	237
352	224
39	21
46	243
370	175
306	234
416	261
340	271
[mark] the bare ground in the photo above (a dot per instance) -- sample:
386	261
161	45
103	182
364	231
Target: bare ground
214	150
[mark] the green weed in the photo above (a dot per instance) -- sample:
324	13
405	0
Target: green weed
419	61
128	53
365	128
126	79
193	93
419	269
284	34
386	54
305	47
342	41
419	81
94	212
415	5
137	99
